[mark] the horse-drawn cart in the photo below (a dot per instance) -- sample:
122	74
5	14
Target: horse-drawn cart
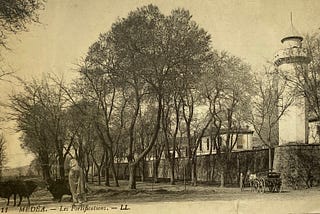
260	181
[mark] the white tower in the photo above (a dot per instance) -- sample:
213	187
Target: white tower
293	125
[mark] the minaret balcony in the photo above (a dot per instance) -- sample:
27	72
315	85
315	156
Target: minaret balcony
291	55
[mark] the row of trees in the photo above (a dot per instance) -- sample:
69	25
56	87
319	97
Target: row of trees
3	156
15	15
145	85
148	80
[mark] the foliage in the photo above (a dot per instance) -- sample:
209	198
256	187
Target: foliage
149	79
142	58
309	76
15	15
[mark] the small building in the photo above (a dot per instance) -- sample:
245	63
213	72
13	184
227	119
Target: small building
242	140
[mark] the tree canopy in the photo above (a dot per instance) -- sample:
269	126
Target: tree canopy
149	79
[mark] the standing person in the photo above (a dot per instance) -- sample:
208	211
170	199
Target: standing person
241	181
76	182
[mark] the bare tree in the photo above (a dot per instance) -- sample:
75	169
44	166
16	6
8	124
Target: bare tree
40	111
107	116
98	155
31	120
213	85
269	105
3	156
195	128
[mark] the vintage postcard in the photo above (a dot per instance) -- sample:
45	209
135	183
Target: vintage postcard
157	106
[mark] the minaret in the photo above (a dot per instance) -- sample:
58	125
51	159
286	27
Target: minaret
293	125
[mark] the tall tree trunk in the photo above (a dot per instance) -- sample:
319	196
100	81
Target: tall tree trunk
113	170
212	164
165	126
133	163
221	164
92	173
255	162
106	169
86	174
238	169
87	166
46	173
172	176
132	176
45	166
99	175
156	170
61	166
222	175
106	175
194	171
143	166
270	158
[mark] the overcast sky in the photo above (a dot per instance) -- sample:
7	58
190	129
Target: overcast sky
250	29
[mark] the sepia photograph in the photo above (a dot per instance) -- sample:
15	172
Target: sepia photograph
158	106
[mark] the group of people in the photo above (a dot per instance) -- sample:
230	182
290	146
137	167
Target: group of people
76	182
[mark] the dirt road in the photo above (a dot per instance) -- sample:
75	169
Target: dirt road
163	198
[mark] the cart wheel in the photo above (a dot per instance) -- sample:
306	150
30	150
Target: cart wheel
270	186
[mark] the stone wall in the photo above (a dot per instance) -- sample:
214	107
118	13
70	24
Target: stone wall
208	167
299	164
